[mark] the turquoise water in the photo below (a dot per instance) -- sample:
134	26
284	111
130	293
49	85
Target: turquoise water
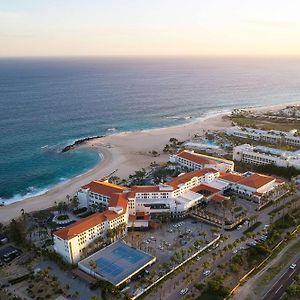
48	103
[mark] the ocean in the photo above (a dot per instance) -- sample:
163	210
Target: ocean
48	103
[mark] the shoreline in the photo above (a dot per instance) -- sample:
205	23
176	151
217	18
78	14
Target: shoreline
125	153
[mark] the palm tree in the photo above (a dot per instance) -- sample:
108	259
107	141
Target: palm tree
68	197
93	265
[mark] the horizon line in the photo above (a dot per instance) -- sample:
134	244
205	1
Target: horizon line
155	56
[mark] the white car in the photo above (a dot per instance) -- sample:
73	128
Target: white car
293	266
215	246
206	273
184	291
235	251
239	227
198	258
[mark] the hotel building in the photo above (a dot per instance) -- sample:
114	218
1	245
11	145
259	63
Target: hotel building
265	156
193	161
251	186
271	136
71	241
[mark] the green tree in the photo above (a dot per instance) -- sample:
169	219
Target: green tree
16	231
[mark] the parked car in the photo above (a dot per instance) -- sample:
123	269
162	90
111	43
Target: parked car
293	266
215	246
184	291
206	273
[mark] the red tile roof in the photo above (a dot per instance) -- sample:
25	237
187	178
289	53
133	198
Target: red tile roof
188	176
256	180
118	200
218	198
196	158
75	229
231	177
104	188
205	187
111	215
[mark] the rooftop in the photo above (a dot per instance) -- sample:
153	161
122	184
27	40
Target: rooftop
253	180
196	158
104	188
182	179
201	158
256	180
80	226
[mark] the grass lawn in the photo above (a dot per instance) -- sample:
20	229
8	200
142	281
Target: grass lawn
266	124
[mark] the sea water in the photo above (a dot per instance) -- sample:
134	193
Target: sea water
46	104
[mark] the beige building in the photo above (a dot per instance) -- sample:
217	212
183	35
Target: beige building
191	160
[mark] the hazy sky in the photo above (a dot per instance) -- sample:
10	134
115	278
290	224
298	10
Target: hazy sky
149	27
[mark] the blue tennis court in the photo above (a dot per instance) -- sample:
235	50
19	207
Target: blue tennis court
130	254
107	267
117	262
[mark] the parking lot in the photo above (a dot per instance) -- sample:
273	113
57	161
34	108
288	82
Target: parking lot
8	253
173	243
171	238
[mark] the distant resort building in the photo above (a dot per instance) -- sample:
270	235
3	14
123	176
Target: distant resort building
191	160
271	136
264	156
134	206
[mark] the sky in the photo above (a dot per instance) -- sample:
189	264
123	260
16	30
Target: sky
149	27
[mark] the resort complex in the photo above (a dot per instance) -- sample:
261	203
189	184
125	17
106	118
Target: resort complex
259	155
187	218
272	136
135	206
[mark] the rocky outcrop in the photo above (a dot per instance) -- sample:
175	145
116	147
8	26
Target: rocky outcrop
80	142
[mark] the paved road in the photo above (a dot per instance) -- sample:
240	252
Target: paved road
285	280
171	288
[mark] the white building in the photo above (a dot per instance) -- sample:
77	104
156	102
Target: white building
264	156
195	161
271	136
71	241
174	197
98	193
250	185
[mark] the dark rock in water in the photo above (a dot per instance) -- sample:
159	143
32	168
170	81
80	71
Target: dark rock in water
80	142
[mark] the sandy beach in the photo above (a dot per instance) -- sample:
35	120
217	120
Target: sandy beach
124	152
